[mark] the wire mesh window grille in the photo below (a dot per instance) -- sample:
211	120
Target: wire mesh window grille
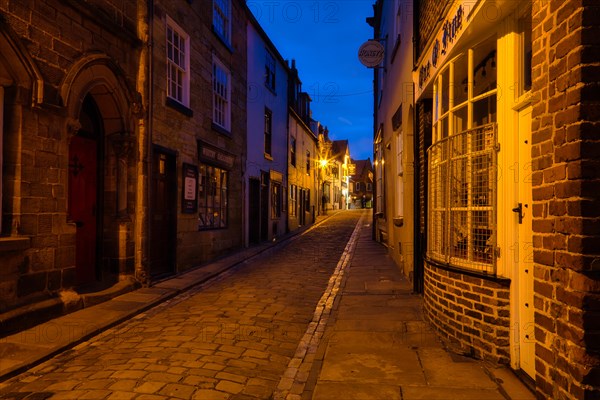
462	200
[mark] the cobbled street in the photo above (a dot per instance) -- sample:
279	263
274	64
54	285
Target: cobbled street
231	338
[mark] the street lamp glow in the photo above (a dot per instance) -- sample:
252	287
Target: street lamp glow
323	163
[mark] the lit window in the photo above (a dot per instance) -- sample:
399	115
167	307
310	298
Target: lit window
463	162
270	71
293	151
275	200
212	197
268	131
222	19
221	95
293	200
178	63
379	180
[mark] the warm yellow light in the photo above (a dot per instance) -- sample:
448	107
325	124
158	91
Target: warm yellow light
323	163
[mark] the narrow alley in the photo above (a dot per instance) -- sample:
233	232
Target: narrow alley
322	315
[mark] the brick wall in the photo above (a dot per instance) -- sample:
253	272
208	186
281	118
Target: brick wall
566	209
429	12
471	313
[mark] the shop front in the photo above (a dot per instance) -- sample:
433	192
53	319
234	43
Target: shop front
475	77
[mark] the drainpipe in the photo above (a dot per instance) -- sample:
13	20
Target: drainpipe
144	156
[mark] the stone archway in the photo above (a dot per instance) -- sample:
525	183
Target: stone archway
100	126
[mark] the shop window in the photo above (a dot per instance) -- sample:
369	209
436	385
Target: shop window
222	19
221	95
275	200
178	63
462	162
212	197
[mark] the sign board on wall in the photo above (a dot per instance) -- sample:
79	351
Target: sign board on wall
189	195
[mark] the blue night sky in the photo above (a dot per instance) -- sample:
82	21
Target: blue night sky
323	36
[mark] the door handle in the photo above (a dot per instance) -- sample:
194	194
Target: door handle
519	210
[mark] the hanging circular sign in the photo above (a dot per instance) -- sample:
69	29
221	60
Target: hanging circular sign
370	53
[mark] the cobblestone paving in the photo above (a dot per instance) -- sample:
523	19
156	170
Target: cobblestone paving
231	338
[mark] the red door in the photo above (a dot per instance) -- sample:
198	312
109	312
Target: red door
82	205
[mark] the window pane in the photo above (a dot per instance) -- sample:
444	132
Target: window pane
460	117
445	94
443	127
484	111
484	74
460	83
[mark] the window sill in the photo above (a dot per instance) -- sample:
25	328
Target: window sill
221	130
177	106
12	243
268	157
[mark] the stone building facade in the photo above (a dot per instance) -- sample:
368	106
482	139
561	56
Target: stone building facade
71	109
505	97
122	133
197	130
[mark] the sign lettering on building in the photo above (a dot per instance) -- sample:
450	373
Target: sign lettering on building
449	32
211	154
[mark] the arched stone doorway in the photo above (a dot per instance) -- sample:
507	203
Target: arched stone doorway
100	170
85	182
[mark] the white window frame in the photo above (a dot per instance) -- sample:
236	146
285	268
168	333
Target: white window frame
179	65
459	220
222	19
221	95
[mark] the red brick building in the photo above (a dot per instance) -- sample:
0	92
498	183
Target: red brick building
505	128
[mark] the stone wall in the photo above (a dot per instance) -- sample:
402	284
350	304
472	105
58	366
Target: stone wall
566	209
48	39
